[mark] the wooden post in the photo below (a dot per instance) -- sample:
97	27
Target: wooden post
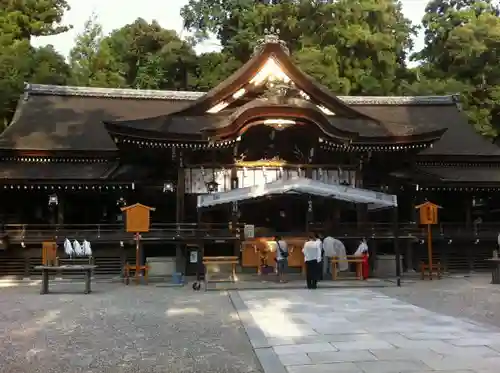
429	216
397	251
137	221
179	211
137	238
429	249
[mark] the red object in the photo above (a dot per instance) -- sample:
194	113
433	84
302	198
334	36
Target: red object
365	267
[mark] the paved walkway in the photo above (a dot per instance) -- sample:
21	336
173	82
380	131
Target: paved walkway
360	331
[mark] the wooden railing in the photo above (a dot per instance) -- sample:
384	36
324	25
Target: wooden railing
28	233
443	230
36	233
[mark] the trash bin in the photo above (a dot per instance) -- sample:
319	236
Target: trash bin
178	278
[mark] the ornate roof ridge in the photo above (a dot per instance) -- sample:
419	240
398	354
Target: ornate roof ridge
130	93
146	94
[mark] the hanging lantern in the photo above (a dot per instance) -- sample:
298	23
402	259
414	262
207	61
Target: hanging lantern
212	186
53	200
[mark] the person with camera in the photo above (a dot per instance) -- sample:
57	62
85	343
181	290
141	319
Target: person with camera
281	257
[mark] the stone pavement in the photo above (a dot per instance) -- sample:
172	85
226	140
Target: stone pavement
360	331
121	329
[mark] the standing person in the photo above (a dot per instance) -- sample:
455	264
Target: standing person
362	251
281	257
312	257
319	241
340	252
328	254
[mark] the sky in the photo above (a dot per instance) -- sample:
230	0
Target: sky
113	14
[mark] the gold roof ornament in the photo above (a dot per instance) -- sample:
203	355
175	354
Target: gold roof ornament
271	36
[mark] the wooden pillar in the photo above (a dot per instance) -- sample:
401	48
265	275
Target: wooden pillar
361	209
409	255
60	210
179	212
395	230
310	209
373	257
234	211
468	212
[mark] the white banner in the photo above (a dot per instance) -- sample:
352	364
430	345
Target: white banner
196	178
374	200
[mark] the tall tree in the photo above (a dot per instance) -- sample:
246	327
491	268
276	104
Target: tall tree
36	17
462	42
150	56
91	60
19	62
49	67
363	43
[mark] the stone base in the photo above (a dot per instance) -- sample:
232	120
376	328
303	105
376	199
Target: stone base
386	266
160	266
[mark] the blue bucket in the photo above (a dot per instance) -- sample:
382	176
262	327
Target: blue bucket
178	278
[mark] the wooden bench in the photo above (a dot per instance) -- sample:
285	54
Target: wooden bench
425	270
86	269
137	270
233	261
349	259
72	262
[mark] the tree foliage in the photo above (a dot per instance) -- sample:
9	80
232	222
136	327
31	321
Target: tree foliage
92	63
19	61
150	56
35	17
462	43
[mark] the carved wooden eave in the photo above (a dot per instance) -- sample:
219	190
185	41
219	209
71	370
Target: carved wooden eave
258	111
271	54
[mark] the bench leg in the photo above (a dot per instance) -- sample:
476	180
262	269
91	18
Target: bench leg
45	282
206	279
88	278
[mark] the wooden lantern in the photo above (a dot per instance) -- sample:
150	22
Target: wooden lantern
49	253
428	213
137	218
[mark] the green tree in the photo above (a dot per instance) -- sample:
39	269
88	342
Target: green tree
462	42
91	61
35	17
150	56
19	62
15	65
363	43
49	67
213	68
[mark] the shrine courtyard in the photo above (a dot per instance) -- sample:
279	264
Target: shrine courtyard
444	326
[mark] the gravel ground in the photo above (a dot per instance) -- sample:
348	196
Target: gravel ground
121	329
472	297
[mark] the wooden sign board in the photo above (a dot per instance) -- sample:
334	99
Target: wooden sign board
49	253
428	213
137	218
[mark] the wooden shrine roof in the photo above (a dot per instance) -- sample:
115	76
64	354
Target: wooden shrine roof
12	170
395	122
53	118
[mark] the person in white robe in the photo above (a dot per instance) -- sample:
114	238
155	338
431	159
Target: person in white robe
362	248
87	251
328	254
340	253
77	248
68	249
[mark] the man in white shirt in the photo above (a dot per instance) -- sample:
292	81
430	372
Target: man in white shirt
312	257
